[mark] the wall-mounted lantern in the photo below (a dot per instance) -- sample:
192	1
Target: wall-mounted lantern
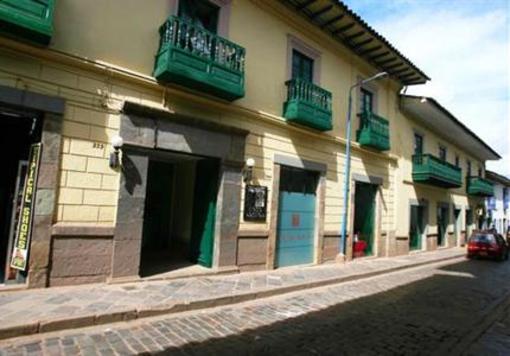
248	170
117	143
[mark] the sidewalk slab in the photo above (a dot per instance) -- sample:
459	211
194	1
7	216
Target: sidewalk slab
36	311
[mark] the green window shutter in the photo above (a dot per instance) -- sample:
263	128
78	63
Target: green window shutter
367	101
302	67
418	144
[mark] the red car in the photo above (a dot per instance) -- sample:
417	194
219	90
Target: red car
488	245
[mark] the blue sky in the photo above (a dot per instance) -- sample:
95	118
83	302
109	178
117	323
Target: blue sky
464	46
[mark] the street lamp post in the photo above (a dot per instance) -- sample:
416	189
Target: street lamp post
343	242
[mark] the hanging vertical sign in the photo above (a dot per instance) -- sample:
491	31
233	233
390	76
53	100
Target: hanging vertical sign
491	203
23	232
506	198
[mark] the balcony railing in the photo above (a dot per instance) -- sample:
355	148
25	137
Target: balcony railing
27	20
374	132
308	104
479	186
434	171
199	59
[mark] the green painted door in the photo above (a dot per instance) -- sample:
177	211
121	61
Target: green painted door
204	212
416	227
364	214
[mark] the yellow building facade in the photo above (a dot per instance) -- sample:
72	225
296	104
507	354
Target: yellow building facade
214	120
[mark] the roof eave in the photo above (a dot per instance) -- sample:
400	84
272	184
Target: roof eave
491	153
348	28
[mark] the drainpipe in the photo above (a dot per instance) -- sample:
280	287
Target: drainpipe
347	179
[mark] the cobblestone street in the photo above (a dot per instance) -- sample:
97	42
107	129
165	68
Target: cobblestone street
425	310
495	341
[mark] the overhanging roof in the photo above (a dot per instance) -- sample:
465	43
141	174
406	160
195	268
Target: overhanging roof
498	178
434	116
345	26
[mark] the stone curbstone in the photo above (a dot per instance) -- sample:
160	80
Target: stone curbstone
67	323
160	310
19	330
106	318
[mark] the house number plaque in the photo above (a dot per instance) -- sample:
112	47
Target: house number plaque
255	203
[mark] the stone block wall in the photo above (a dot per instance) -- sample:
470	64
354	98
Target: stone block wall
402	245
431	242
252	251
452	240
80	259
331	247
88	187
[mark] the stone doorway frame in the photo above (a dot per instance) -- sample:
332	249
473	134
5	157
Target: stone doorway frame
148	132
51	110
321	170
377	181
423	203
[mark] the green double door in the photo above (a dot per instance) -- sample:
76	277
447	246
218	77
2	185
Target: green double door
364	214
417	227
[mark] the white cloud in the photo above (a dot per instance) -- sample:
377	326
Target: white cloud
466	53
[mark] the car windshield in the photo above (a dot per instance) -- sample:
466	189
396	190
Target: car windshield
483	238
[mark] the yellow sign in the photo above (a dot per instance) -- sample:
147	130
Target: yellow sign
23	232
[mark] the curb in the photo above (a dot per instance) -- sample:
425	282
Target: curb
157	310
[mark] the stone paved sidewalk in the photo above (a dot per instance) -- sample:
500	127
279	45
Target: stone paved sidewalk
427	310
32	311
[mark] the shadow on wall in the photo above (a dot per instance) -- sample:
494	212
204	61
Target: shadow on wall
420	317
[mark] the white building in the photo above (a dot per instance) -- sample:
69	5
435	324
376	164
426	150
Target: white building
498	206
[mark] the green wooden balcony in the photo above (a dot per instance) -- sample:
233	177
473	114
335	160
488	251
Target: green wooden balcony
198	59
27	20
374	132
479	186
308	104
431	170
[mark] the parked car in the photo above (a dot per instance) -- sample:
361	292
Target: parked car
487	244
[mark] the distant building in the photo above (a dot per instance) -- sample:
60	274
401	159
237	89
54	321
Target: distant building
498	206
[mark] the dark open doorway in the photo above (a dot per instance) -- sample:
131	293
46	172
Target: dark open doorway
442	225
364	219
457	225
179	214
18	131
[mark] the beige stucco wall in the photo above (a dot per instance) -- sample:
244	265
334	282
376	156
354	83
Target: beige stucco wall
88	187
407	191
106	46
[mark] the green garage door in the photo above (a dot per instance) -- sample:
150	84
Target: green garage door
296	215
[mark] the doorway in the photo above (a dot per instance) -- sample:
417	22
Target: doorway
17	133
442	225
296	217
469	224
364	219
179	214
417	227
456	225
